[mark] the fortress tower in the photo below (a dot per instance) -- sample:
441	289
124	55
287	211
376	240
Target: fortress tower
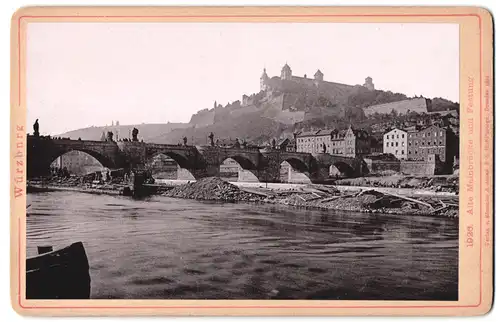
369	83
263	81
286	72
318	78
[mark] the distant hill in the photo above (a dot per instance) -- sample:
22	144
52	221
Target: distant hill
251	127
147	132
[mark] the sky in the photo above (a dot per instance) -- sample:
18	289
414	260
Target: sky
90	74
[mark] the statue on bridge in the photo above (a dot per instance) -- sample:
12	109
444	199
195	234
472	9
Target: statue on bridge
35	128
324	147
134	134
185	140
237	143
211	137
110	136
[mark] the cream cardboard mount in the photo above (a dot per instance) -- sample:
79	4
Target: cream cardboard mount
93	243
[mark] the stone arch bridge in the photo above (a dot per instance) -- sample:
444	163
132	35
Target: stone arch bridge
200	161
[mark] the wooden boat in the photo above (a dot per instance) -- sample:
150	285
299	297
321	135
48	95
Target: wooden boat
60	274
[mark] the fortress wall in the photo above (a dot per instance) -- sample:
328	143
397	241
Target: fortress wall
418	105
203	118
244	110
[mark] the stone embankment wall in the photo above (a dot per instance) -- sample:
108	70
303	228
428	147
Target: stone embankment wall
419	167
410	167
378	166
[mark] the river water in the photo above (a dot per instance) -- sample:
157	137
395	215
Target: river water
163	248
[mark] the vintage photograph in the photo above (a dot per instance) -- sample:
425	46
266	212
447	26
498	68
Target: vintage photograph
233	160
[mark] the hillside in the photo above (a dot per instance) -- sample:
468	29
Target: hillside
251	127
147	132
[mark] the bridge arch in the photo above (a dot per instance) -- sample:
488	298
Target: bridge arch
296	163
103	159
246	169
242	160
181	160
294	170
344	168
183	170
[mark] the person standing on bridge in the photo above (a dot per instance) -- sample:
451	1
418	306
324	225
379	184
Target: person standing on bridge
185	140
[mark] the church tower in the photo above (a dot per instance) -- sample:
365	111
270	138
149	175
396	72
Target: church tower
263	81
286	72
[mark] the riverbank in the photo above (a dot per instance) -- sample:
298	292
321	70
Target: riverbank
319	197
441	183
298	186
342	198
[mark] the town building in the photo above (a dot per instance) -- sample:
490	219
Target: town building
338	142
229	169
376	145
313	141
396	143
349	143
287	145
357	142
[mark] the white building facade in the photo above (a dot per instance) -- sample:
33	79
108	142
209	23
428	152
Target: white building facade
396	143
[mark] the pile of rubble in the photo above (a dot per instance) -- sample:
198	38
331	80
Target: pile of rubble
370	201
212	189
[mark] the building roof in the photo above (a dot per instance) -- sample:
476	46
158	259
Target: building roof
286	67
318	72
284	142
307	133
432	127
324	132
340	133
316	133
395	130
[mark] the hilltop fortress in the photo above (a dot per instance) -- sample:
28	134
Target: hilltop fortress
287	99
287	82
